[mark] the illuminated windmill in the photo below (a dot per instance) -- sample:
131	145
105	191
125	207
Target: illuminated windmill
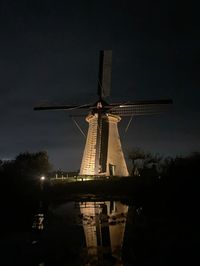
103	153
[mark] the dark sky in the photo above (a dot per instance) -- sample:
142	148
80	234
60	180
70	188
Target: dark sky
49	53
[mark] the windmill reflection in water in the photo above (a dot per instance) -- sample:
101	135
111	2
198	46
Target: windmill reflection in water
104	226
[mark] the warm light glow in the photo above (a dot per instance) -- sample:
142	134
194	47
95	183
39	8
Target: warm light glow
42	178
91	165
98	216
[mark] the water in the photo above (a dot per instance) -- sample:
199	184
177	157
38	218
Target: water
93	231
81	233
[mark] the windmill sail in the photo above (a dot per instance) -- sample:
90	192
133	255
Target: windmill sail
141	108
62	107
104	79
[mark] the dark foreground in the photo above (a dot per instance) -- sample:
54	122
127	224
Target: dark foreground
161	227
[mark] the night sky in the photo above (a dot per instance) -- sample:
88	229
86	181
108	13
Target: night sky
49	52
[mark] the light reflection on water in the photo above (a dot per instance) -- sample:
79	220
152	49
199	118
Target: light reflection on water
102	225
38	222
93	231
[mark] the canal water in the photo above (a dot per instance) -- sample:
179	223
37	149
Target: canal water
94	231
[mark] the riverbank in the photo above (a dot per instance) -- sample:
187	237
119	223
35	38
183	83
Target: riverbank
123	187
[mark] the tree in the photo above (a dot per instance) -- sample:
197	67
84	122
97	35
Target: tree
136	155
182	166
32	165
142	160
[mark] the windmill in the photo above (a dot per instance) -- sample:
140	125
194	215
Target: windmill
103	153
